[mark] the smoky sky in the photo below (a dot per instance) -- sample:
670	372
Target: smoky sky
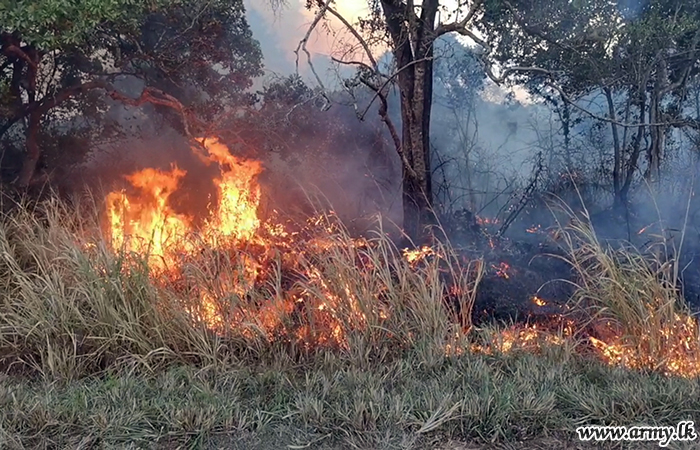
279	33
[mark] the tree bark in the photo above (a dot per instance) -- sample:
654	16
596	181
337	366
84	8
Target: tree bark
623	196
415	81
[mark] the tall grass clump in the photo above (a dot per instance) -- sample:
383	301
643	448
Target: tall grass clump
638	316
70	306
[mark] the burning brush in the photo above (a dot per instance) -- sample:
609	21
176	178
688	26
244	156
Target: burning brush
312	285
308	285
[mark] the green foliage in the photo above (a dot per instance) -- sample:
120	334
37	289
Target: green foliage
54	24
200	52
587	45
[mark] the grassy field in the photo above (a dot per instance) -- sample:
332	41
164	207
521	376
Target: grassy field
479	401
98	350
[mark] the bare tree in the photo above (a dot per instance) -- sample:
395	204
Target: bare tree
410	30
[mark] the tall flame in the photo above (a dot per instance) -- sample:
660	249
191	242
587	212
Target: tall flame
144	222
239	194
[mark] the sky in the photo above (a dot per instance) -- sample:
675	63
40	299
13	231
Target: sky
280	34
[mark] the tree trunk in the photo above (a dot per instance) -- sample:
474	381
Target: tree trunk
617	153
31	158
623	196
415	82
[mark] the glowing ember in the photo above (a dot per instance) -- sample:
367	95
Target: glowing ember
538	301
535	229
486	221
502	270
643	229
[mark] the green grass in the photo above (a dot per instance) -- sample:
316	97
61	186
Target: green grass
401	404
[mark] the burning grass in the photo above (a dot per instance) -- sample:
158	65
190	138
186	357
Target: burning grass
159	290
145	285
73	307
638	318
139	289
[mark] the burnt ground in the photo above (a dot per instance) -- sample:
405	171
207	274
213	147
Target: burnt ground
529	264
516	273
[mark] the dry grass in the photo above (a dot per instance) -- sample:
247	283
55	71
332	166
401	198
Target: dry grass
103	353
634	301
71	307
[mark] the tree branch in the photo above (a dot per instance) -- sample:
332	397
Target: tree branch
461	25
302	47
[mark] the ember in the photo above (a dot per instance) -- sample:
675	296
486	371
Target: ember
534	229
486	221
502	270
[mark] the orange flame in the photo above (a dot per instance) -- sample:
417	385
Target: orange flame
144	222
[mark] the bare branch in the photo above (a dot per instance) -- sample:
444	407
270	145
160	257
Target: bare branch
357	35
461	25
158	97
384	114
302	47
387	81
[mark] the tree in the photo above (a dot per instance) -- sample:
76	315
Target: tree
312	151
641	61
410	30
193	57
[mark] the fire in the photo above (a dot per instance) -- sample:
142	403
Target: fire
232	263
676	351
144	222
239	194
529	337
237	257
415	256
